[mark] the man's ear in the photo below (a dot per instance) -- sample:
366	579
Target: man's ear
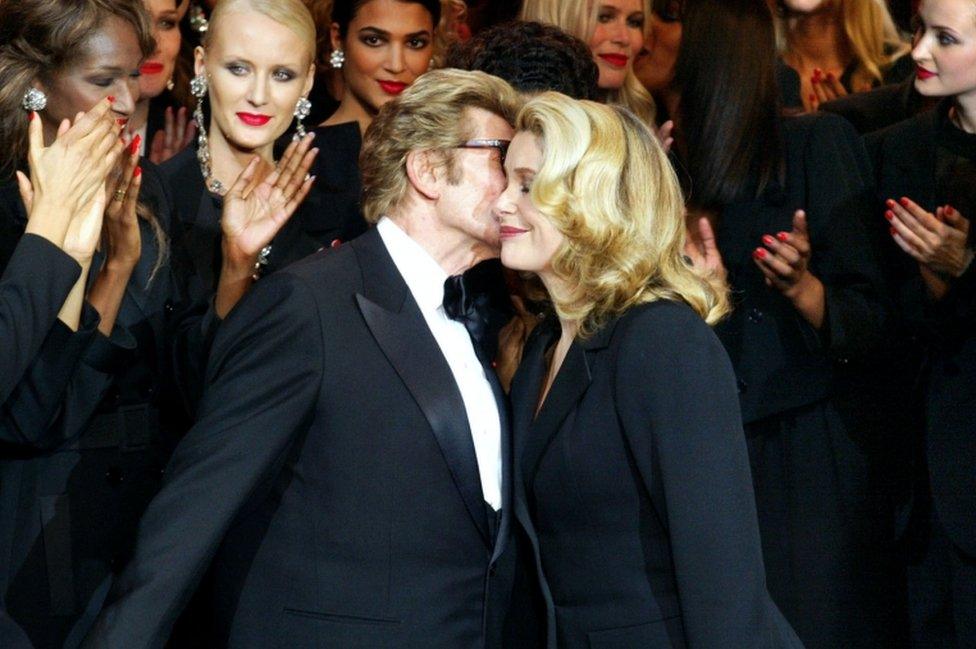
424	175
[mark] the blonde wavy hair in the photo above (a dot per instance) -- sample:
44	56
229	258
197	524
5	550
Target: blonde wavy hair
429	115
579	18
608	187
871	34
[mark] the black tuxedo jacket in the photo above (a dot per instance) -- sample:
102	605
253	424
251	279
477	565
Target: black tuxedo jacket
906	164
633	485
330	483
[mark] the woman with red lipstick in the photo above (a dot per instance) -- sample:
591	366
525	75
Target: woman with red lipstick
163	125
776	208
926	176
840	46
614	30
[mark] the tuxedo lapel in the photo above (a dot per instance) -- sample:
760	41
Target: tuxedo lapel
395	321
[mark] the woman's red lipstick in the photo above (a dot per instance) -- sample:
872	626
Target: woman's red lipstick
392	87
616	60
923	74
253	119
508	231
151	67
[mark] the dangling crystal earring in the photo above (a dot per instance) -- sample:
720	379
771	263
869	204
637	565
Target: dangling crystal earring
198	88
198	19
336	59
302	110
34	100
170	85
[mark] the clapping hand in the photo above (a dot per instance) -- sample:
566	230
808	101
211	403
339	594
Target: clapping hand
937	241
123	242
826	87
65	195
255	209
177	134
785	263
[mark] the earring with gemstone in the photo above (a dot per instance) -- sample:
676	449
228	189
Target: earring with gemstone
336	59
34	100
302	110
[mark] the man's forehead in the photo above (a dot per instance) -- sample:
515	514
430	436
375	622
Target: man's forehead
483	124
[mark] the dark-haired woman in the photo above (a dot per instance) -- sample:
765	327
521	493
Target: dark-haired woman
781	216
79	469
926	173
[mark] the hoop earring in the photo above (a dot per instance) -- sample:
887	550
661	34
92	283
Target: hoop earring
336	59
302	110
198	88
33	100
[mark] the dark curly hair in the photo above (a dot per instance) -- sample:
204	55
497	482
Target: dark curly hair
532	57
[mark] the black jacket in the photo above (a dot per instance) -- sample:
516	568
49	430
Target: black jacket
876	109
330	483
633	481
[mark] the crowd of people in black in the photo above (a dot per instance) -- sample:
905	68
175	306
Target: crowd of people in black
445	324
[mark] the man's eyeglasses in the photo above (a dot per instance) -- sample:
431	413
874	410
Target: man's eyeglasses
501	145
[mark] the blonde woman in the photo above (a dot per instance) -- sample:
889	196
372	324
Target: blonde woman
840	46
629	447
614	30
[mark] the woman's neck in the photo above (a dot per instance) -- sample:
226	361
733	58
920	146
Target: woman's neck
964	111
818	41
351	110
140	115
228	161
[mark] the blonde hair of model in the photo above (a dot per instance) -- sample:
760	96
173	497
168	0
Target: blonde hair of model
871	33
607	185
429	115
293	14
578	17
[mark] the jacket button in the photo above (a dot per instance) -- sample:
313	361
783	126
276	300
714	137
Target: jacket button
755	316
168	307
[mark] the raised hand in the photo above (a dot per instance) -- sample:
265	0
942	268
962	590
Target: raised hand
665	135
177	134
67	176
784	260
255	209
701	248
938	241
826	87
123	242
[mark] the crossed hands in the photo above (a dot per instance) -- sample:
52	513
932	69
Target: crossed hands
938	242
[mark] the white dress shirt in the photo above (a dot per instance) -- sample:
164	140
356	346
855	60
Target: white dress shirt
425	279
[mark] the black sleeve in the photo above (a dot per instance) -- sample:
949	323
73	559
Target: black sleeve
263	378
839	200
34	287
677	402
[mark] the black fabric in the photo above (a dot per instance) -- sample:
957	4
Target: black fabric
632	486
325	487
881	107
462	306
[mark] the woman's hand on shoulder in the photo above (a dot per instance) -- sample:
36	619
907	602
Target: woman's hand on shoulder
256	207
937	241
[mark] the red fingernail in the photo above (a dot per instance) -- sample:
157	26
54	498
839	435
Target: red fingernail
137	172
903	201
134	146
830	76
890	203
335	243
768	240
889	215
812	98
782	236
759	253
893	231
949	210
30	116
110	99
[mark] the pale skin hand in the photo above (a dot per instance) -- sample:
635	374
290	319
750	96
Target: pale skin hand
701	248
177	134
255	210
122	239
784	261
936	241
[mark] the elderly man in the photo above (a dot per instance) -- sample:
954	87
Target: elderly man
347	482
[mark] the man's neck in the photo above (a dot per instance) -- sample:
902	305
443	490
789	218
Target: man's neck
453	251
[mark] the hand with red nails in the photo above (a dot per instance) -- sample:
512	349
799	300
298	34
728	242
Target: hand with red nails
123	240
701	248
937	241
784	261
178	133
64	195
256	207
825	87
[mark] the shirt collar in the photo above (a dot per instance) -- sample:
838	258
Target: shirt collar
424	276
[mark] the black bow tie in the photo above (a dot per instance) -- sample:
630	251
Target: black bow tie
467	308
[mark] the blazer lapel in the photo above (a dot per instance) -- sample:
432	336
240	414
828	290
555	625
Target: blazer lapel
395	321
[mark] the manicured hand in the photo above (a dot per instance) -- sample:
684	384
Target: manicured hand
936	240
123	240
784	258
177	134
826	87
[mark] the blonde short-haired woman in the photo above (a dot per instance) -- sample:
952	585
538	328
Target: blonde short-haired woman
630	453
